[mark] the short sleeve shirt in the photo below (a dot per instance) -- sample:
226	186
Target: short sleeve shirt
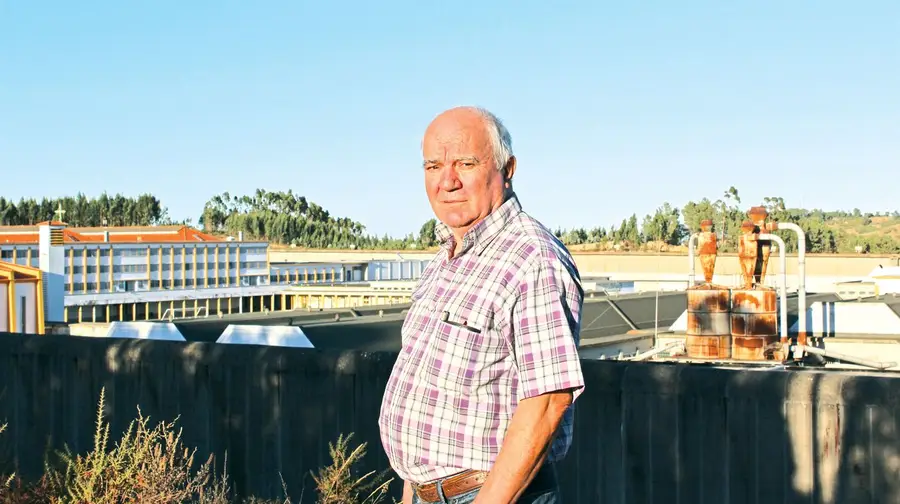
496	324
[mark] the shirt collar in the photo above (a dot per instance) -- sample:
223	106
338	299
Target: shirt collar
482	233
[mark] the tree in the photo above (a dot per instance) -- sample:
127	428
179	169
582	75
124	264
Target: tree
427	237
284	217
117	210
663	226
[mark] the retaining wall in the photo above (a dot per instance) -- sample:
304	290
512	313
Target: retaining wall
645	432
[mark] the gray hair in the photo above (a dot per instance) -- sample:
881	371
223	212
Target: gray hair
501	140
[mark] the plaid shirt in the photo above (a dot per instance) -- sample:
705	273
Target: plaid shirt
496	324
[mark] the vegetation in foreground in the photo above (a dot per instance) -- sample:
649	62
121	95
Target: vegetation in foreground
150	464
289	219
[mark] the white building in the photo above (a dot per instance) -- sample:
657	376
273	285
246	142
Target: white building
112	274
131	273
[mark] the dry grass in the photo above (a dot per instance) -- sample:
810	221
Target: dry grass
338	485
151	465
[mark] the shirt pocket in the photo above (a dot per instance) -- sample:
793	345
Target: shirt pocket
466	351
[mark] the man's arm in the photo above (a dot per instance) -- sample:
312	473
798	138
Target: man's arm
407	493
545	315
531	431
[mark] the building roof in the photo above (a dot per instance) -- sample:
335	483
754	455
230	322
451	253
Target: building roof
18	272
29	235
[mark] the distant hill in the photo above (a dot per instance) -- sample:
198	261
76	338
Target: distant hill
289	219
873	234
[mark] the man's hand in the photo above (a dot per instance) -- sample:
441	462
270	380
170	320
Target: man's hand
407	493
525	446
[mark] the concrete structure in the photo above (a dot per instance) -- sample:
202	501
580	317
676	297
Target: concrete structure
669	271
644	432
886	280
834	265
22	293
282	336
160	331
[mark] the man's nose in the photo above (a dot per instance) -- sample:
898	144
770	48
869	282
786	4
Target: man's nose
449	180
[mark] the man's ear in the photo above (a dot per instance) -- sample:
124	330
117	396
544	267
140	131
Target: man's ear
510	169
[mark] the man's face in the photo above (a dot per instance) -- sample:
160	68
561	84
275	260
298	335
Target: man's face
461	178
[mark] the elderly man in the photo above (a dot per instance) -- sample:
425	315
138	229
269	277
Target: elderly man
478	406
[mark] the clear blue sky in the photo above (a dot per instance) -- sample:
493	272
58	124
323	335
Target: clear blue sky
613	107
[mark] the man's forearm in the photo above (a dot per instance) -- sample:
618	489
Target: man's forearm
524	448
407	493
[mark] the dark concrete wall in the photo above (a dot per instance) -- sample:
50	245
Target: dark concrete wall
645	432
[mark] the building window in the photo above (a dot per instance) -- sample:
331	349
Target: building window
130	268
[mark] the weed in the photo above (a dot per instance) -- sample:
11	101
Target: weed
151	465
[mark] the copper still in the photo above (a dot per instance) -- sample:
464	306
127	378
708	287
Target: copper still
758	215
707	248
708	324
754	311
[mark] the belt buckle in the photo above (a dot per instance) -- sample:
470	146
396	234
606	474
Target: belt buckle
417	489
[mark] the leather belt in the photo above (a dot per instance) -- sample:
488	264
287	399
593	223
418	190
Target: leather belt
452	486
466	481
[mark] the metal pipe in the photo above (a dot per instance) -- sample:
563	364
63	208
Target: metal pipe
621	314
846	358
695	236
783	259
801	274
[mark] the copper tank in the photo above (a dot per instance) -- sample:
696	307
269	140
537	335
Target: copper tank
754	312
708	323
754	326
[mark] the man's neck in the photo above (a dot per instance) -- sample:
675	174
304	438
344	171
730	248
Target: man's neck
457	245
460	233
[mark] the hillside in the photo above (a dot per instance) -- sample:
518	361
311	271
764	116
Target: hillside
289	219
875	234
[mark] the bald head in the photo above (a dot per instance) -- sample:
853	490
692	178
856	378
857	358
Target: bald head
468	165
481	122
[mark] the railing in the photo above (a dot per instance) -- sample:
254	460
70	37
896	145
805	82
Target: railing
172	313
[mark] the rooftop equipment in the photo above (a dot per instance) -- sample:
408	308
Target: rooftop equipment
743	322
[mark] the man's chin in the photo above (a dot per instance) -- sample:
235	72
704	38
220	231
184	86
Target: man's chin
455	220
